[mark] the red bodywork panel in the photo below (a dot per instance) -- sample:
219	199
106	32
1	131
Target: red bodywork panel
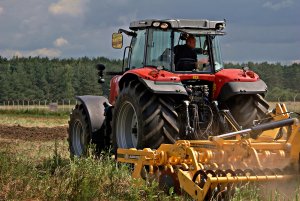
114	89
219	79
232	75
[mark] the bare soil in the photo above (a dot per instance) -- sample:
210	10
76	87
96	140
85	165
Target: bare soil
33	133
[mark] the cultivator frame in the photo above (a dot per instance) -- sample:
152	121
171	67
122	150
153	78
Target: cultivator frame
210	168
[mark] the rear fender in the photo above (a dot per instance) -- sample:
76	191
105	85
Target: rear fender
156	86
94	107
231	89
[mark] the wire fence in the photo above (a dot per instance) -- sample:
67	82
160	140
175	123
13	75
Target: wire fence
50	105
68	104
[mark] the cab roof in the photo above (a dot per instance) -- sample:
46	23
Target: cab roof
196	24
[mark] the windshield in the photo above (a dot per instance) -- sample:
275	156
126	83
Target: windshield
161	52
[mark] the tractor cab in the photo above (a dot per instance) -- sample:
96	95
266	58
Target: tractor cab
159	43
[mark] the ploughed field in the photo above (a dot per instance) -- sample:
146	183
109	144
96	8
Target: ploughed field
18	132
33	136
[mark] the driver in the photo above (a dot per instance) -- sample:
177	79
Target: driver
186	56
186	51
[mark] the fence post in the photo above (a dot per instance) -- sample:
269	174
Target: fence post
295	102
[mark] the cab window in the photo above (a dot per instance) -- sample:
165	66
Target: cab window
137	50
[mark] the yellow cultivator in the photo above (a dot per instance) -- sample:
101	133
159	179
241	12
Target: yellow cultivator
206	168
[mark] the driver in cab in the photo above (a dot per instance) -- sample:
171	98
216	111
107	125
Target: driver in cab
186	57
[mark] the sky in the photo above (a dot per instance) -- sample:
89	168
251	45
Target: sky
257	30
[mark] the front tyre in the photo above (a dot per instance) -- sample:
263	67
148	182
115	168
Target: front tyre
79	132
143	119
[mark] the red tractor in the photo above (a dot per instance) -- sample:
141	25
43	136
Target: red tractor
156	100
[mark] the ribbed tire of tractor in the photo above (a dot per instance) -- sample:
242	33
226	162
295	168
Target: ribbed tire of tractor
79	132
247	108
80	136
142	119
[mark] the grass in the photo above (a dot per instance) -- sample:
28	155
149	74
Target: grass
59	178
36	112
42	170
291	106
53	176
288	191
34	118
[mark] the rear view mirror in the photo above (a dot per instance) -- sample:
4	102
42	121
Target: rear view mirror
117	40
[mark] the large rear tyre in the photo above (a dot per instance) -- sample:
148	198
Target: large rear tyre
143	119
247	108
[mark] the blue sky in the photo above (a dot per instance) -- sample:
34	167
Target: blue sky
257	30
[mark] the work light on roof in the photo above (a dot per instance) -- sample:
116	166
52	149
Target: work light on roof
164	25
220	26
156	24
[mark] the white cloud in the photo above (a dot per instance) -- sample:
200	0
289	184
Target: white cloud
278	4
59	42
1	10
11	53
43	52
68	7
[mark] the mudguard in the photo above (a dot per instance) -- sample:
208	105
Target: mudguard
235	88
164	87
167	84
94	107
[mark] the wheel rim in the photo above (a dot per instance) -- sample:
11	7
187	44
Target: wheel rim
127	126
79	139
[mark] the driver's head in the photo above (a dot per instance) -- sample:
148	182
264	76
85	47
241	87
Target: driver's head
191	41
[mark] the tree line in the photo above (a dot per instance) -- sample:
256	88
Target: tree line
36	78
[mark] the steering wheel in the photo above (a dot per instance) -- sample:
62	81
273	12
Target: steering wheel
185	64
